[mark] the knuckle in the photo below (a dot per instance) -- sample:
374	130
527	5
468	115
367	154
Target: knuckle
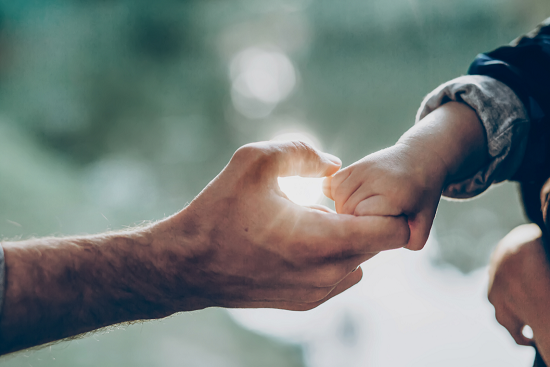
303	146
254	155
254	152
247	152
307	152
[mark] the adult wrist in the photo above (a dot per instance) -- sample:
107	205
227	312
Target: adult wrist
179	254
126	278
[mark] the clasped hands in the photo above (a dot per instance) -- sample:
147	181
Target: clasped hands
255	248
244	244
250	246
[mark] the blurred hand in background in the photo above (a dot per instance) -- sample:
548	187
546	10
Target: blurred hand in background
519	286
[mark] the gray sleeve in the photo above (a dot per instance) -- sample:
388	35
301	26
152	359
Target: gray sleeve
2	277
504	119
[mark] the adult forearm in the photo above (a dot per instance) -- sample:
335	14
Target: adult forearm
56	288
239	243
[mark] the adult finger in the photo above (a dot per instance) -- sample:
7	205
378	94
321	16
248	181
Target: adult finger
294	158
318	271
352	279
327	235
285	293
334	271
321	208
375	233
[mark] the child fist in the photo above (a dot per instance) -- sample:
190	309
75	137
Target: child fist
400	180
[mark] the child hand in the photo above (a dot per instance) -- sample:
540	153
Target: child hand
448	145
401	180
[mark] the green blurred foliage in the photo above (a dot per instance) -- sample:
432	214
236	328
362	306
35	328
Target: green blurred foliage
119	111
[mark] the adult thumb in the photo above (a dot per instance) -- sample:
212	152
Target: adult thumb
296	158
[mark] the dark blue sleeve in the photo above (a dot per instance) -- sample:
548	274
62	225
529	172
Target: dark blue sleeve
525	67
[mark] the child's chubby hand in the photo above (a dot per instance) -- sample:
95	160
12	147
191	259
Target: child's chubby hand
400	180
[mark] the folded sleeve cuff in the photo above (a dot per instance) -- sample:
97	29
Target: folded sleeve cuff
504	119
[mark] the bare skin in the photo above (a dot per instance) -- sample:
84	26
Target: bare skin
519	287
408	178
240	243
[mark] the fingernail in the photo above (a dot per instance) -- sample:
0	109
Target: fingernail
333	159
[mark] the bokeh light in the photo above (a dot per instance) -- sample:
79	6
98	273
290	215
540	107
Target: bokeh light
261	79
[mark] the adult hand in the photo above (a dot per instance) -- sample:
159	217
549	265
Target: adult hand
247	245
519	287
240	243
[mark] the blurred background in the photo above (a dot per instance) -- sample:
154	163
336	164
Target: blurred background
113	112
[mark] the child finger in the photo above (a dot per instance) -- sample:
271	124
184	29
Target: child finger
327	184
338	179
362	193
344	191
